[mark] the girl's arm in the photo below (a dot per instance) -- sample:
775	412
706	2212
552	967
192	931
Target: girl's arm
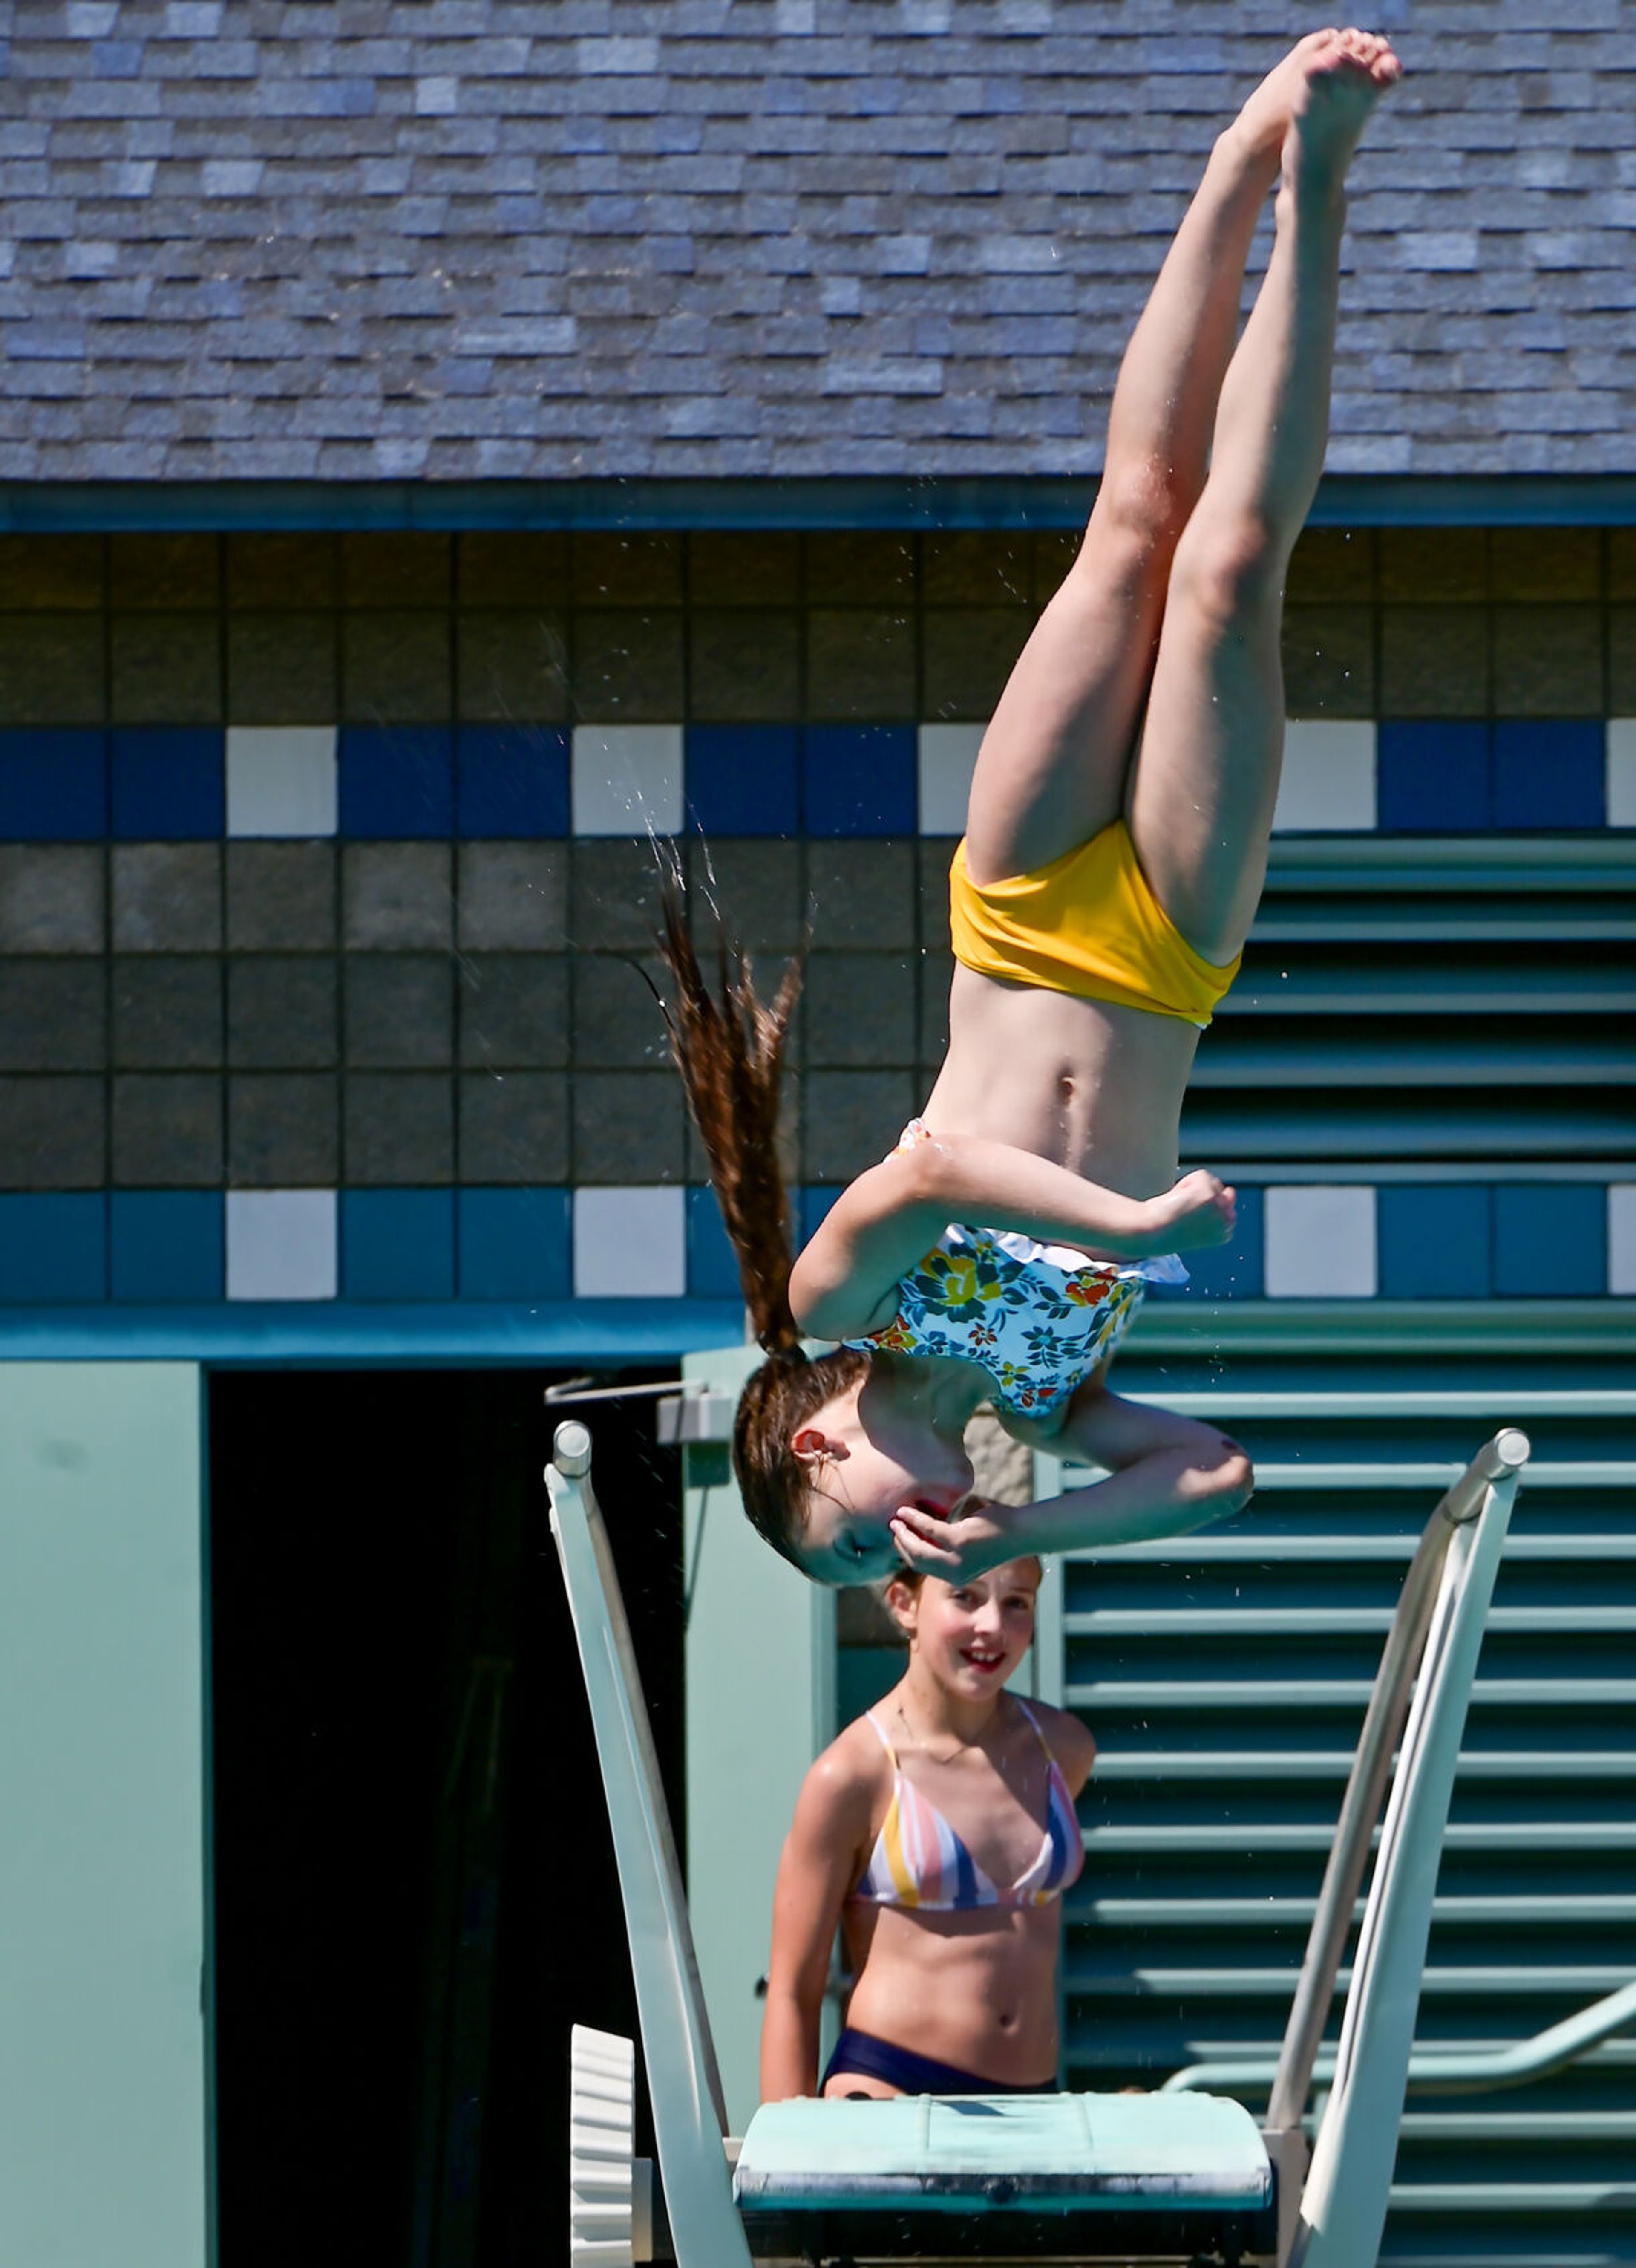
1167	1475
822	1857
891	1216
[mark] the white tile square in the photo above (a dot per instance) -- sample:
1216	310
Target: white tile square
1328	782
630	1244
280	780
281	1244
947	757
1622	1238
1622	771
1320	1243
627	779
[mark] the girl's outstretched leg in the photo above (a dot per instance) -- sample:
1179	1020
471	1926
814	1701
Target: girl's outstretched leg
1052	771
1206	780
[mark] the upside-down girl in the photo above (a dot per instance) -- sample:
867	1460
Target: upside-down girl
1115	850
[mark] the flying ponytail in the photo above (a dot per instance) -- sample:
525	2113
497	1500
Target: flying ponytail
728	1043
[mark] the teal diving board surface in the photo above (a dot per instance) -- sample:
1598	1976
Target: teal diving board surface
1040	2153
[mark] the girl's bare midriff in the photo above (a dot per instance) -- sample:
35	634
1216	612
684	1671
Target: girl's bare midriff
1087	1084
976	1990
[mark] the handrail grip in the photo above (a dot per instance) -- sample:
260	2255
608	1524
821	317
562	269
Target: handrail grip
1437	2071
1371	1769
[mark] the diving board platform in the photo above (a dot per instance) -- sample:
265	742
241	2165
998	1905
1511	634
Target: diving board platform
1181	2174
1087	2172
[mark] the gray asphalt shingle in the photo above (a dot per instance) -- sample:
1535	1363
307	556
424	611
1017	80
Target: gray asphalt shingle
594	237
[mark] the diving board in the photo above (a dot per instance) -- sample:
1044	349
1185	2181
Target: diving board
1177	2175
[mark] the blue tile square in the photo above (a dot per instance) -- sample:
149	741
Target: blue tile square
1551	1240
516	1244
812	1206
512	781
166	1245
397	782
712	1268
1551	772
1235	1271
54	784
743	779
1434	1242
397	1244
54	1250
168	782
1432	776
860	779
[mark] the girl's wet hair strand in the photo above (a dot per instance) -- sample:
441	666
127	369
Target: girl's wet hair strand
728	1043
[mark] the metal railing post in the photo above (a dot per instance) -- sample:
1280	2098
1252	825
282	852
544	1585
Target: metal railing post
1371	1769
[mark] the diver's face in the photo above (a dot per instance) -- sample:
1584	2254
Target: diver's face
859	1481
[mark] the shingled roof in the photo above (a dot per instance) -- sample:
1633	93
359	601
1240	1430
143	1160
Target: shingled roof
463	240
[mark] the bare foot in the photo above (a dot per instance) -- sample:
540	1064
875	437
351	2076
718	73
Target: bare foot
1341	83
1261	125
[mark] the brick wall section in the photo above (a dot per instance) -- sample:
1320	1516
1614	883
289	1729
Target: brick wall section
587	239
388	1013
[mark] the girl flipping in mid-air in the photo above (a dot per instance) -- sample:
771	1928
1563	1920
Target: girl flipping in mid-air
1115	849
939	1833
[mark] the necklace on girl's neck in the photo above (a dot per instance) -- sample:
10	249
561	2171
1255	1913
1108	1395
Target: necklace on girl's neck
960	1747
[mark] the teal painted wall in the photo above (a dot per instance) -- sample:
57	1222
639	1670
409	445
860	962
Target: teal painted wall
102	1908
761	1670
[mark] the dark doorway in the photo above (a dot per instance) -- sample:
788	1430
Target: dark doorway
415	1893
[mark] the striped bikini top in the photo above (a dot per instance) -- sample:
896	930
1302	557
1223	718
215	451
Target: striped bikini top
919	1862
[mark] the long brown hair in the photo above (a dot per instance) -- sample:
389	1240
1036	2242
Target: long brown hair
728	1043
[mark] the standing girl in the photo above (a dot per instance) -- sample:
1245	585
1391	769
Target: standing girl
939	1833
1115	849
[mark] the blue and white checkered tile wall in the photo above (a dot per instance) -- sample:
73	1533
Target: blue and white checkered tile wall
404	783
1335	1239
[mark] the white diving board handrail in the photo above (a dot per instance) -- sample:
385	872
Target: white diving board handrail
1447	2071
1417	1710
685	2088
1426	1677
